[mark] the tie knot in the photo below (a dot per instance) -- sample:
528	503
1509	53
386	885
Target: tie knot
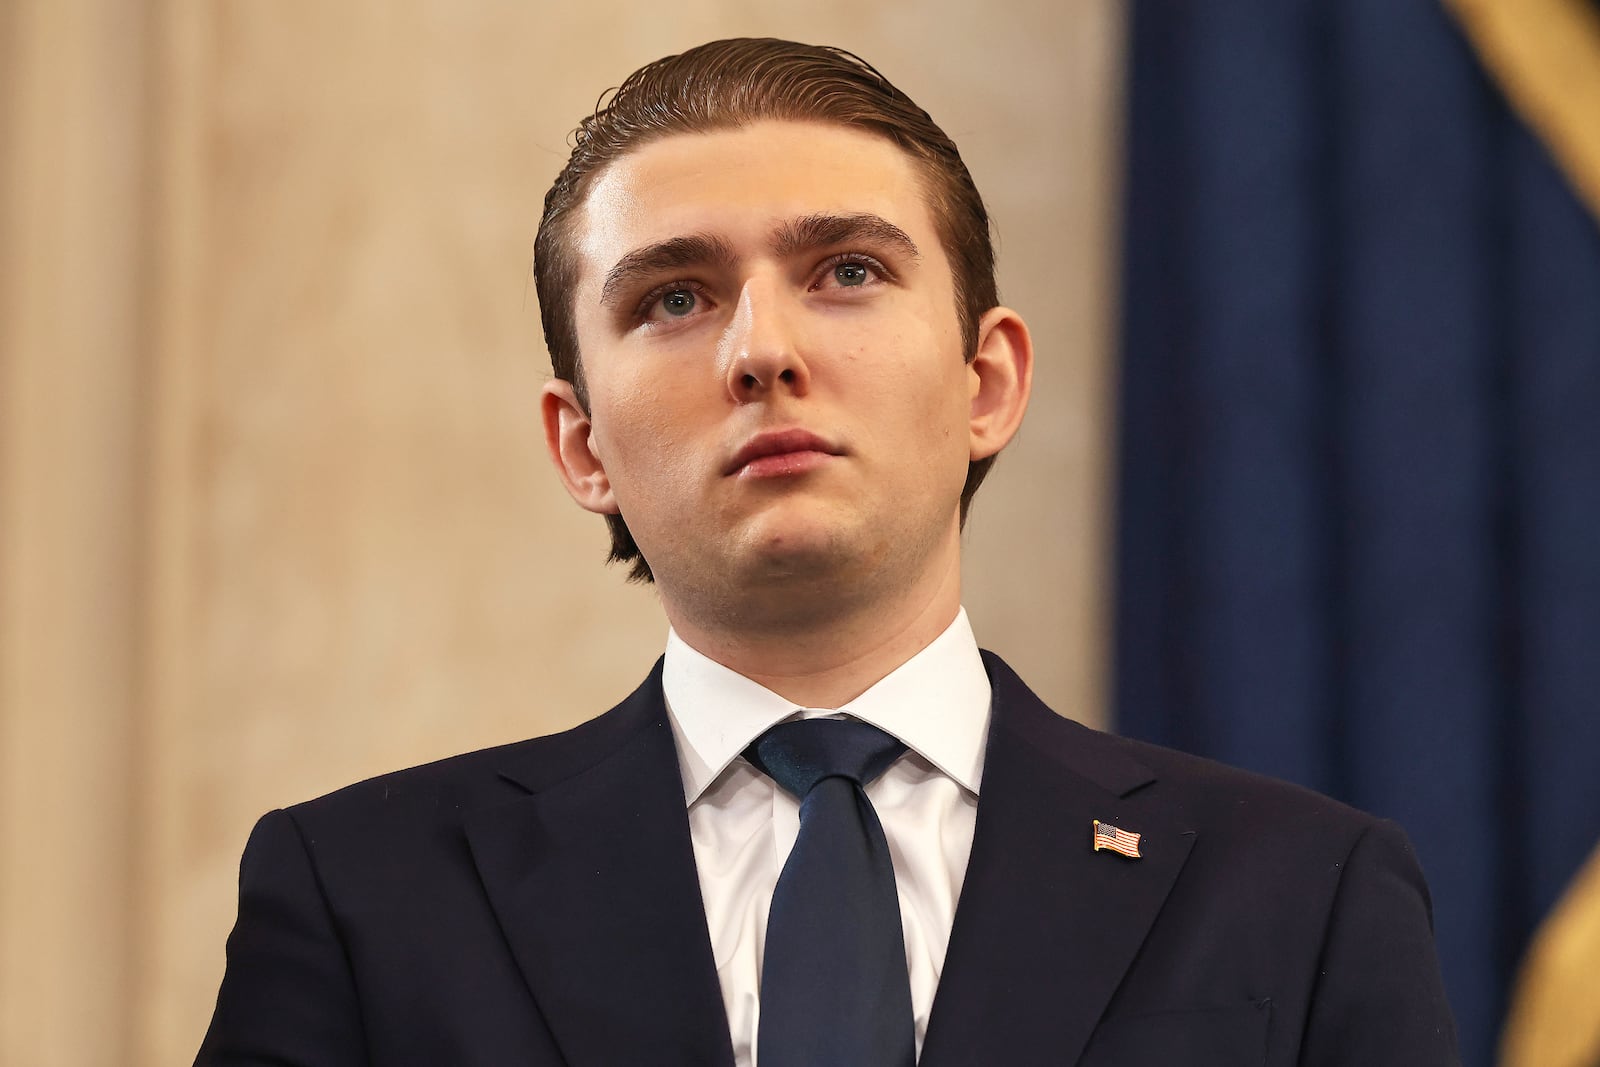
798	755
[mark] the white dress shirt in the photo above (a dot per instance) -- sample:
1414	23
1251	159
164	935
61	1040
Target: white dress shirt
743	826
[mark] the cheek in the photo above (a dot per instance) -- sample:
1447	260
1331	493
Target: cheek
930	373
642	437
921	408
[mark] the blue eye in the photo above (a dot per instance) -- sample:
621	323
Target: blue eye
850	274
678	302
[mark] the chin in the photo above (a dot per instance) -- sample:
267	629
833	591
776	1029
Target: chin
799	541
796	560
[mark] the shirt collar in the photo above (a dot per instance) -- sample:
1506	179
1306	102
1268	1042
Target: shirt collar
937	702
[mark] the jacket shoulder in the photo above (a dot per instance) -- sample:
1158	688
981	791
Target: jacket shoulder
489	775
1210	784
1209	796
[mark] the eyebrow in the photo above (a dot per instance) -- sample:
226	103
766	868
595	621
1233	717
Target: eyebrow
792	236
672	254
817	231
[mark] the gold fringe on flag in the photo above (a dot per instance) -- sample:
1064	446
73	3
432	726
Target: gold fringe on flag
1555	1006
1546	56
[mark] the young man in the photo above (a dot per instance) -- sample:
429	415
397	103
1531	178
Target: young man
781	373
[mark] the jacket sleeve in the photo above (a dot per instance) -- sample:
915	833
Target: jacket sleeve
1379	999
288	996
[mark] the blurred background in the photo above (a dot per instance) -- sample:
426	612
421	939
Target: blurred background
1311	482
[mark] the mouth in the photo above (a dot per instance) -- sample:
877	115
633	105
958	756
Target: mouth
779	453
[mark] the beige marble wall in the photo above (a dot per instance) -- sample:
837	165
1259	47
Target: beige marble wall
274	513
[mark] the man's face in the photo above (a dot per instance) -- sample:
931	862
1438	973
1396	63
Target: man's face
777	394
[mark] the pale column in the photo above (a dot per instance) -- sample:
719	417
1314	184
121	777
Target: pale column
70	330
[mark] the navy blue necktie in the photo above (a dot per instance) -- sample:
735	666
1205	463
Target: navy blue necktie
834	989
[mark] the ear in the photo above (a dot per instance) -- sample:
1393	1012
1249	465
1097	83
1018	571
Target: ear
1001	376
569	436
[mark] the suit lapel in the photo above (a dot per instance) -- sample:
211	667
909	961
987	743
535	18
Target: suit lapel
593	880
1046	927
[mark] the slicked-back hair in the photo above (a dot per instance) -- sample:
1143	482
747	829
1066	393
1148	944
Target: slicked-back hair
730	84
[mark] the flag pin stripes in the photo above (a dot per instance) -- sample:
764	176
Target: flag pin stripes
1109	837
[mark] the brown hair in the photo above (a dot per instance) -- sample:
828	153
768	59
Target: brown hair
733	83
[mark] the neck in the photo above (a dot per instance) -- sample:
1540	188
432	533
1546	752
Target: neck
827	659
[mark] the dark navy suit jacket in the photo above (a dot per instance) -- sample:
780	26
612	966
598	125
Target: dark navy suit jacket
537	904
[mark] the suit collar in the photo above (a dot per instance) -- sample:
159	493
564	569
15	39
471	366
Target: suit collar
1046	927
1022	718
592	878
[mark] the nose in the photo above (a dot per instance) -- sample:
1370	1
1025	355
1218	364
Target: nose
760	348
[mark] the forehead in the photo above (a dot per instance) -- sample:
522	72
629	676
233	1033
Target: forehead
741	182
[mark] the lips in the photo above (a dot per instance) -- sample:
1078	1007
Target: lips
783	451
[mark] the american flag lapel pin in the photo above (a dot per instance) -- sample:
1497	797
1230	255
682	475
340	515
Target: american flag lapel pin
1108	836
